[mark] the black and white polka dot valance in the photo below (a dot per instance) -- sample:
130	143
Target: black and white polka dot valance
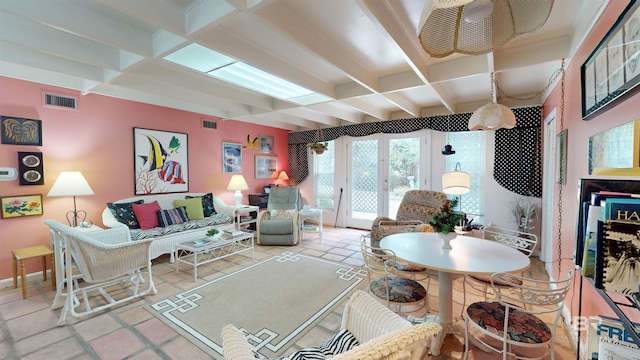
518	155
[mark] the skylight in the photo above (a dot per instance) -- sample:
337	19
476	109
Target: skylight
227	69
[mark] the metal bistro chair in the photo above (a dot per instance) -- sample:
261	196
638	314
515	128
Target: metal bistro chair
385	284
524	242
519	329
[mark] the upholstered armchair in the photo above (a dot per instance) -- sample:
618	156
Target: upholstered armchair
417	206
278	225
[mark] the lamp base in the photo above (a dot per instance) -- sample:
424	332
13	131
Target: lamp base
238	197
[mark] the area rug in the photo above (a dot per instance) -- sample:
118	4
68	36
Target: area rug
274	302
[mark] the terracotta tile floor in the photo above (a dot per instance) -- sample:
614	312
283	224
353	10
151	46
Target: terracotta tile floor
28	327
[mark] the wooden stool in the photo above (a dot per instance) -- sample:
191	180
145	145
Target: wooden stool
20	255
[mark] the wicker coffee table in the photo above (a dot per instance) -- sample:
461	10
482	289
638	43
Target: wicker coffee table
206	250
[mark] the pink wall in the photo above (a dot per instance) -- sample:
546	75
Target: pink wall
98	141
579	132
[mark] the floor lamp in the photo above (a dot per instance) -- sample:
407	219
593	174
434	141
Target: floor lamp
72	183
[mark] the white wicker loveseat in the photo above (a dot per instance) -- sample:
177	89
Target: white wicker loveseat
165	238
381	335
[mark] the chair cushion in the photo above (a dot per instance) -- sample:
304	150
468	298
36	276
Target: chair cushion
405	266
523	327
193	206
147	214
282	214
499	282
172	216
123	212
207	203
276	227
337	344
401	290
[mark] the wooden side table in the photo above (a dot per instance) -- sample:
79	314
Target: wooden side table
20	255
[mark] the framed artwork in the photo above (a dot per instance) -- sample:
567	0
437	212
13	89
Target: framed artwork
231	157
561	157
612	72
265	143
30	168
266	167
19	131
23	205
618	147
161	161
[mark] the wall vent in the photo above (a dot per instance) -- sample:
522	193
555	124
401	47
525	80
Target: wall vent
60	101
208	124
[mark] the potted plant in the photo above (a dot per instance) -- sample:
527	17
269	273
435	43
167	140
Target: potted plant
445	220
318	147
213	232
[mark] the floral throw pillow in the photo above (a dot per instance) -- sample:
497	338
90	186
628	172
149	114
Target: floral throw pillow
123	212
282	214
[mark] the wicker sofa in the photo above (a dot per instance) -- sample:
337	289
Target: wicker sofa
165	238
381	334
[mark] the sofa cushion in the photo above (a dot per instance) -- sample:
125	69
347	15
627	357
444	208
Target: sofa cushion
193	206
172	216
123	212
147	214
216	219
207	203
339	343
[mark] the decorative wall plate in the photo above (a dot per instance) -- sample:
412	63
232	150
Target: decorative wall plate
32	176
31	160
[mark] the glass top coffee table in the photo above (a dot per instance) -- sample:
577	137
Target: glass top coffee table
205	250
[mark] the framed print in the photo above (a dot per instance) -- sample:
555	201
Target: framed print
265	143
161	162
30	168
612	72
19	131
231	157
561	157
618	147
266	167
23	205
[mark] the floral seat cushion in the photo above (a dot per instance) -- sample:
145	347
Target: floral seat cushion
406	266
523	327
503	281
401	290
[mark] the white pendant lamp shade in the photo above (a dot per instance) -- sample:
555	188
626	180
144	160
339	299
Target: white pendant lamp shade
456	182
476	27
492	116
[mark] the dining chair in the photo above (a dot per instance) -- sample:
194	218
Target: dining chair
519	329
385	283
524	242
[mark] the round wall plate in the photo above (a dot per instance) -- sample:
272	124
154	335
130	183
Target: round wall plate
32	176
31	161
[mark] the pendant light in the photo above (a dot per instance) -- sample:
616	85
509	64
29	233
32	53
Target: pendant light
456	182
448	149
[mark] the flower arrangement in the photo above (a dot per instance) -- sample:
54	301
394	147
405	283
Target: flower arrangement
524	213
445	220
318	147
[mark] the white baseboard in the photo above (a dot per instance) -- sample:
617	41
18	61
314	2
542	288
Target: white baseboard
36	276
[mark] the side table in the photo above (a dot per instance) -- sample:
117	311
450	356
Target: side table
310	214
20	255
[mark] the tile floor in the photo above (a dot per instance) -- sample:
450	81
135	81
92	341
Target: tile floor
28	327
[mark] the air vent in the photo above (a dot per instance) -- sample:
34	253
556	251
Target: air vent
208	124
60	101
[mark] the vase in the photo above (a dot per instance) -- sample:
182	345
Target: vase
446	239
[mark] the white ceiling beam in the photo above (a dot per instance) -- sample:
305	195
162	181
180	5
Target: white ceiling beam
162	14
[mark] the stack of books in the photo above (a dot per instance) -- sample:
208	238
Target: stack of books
234	233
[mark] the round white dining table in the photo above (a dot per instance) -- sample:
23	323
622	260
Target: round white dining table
468	255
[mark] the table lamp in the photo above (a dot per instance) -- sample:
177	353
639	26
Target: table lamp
72	183
282	178
238	184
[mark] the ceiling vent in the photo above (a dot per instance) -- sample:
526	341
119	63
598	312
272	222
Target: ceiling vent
60	101
208	124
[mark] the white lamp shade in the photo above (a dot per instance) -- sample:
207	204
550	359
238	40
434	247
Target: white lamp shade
492	117
70	183
456	182
237	182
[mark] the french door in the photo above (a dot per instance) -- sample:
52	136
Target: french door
380	169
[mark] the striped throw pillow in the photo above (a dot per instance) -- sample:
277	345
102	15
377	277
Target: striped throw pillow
172	216
337	344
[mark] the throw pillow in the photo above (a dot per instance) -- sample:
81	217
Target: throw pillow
207	204
337	344
147	214
194	208
123	212
282	214
172	216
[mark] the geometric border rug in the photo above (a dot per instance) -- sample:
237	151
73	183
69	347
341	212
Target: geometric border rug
274	302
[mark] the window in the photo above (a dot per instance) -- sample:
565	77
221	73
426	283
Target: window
470	153
324	177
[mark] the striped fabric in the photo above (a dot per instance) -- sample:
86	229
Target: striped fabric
172	216
337	344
